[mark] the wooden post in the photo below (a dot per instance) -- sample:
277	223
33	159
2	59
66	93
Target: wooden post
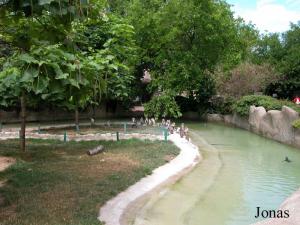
65	136
166	135
96	150
118	137
23	123
0	127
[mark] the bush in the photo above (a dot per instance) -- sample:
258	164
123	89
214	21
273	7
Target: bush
162	106
242	106
251	77
296	124
221	105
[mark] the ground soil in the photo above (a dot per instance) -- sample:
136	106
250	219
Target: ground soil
5	162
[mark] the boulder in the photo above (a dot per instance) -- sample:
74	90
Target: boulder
278	125
240	122
297	137
289	113
255	117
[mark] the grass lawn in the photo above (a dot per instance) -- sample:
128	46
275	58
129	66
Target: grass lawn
57	183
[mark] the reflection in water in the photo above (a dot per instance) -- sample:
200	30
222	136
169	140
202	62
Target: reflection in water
240	172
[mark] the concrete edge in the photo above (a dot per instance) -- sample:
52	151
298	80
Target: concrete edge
113	210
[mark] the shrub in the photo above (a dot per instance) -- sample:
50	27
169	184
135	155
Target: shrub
251	77
162	106
242	106
221	105
296	124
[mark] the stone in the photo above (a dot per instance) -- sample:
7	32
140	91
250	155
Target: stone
289	113
297	137
278	125
255	116
215	118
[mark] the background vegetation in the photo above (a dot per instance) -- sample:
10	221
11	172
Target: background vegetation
76	54
242	105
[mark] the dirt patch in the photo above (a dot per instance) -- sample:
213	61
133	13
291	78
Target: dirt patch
5	162
108	163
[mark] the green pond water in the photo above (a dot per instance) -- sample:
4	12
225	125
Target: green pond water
239	172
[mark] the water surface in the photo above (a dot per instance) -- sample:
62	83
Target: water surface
240	172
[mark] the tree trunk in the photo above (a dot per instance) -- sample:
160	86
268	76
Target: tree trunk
23	123
76	118
94	111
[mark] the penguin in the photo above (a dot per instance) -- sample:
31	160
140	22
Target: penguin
287	160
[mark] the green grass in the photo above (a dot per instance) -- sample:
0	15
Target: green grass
57	183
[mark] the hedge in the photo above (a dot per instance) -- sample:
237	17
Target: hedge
242	106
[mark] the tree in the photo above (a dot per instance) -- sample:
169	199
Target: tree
282	51
252	78
163	105
67	54
109	40
182	42
45	66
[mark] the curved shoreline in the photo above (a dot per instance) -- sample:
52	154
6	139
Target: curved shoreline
114	211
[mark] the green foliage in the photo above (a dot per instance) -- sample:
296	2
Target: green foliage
251	77
296	124
108	42
181	41
242	106
221	105
70	55
162	106
283	52
46	72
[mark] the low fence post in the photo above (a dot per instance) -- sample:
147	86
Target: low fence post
166	134
118	137
65	136
125	128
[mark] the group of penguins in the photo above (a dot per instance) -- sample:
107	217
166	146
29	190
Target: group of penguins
167	124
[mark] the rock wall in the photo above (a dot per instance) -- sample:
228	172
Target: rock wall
273	124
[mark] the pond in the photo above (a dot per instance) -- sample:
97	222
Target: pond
239	172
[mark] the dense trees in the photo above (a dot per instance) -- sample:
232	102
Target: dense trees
283	52
75	53
66	53
182	42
